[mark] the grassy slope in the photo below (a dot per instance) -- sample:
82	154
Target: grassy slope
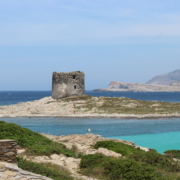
35	143
52	171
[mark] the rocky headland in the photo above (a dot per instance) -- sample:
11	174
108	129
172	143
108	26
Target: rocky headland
169	79
160	83
120	86
89	106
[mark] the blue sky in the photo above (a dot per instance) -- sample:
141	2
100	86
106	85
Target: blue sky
109	40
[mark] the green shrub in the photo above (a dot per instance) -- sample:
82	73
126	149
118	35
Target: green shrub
173	153
117	169
48	170
151	157
91	160
35	143
118	147
129	169
157	160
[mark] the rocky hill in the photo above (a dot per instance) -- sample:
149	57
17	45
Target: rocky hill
166	79
120	86
160	83
176	83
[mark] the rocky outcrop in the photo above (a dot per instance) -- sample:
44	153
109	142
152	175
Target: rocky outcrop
84	142
107	152
80	143
67	163
165	79
13	172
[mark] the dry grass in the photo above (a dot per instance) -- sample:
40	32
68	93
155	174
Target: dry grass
121	105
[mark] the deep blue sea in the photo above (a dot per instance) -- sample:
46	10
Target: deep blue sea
159	134
14	97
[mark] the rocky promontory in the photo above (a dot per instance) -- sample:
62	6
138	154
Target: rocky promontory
120	86
89	106
169	82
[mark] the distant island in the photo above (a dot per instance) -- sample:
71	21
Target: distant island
160	83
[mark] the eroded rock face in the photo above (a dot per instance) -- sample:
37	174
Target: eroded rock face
67	84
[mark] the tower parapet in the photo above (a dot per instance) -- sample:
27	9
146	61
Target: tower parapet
67	84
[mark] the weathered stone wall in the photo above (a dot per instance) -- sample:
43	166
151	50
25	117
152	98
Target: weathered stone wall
8	150
67	84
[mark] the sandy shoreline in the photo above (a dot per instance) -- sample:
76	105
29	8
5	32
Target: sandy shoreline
50	108
153	116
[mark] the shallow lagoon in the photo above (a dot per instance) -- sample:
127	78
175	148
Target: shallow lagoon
159	134
160	142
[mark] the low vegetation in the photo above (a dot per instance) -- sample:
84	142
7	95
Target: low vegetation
118	147
52	171
173	153
121	105
76	98
109	168
136	164
34	143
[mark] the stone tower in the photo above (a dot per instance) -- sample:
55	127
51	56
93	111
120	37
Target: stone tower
67	84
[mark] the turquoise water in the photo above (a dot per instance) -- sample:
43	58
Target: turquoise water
159	134
164	133
161	142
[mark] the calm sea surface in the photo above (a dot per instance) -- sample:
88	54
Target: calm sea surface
14	97
159	134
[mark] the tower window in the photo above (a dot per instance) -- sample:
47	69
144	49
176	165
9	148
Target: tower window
74	76
74	86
